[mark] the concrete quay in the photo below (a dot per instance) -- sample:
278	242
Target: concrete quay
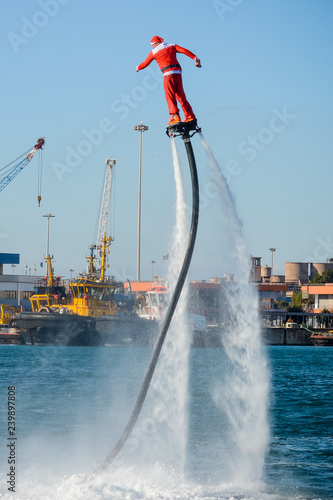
288	336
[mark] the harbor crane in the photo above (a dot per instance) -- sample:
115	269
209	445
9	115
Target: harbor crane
14	171
104	215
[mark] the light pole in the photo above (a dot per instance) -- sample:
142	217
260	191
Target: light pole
71	271
140	128
272	250
152	269
48	232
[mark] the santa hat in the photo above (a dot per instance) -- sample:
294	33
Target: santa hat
156	39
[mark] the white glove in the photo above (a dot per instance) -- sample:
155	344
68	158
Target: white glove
137	68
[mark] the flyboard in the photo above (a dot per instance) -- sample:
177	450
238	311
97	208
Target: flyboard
186	130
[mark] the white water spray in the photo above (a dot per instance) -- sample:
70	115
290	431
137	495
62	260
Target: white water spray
244	395
170	384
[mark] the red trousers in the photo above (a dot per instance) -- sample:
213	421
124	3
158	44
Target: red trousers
173	87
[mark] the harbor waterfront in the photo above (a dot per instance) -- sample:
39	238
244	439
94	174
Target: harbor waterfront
65	330
71	403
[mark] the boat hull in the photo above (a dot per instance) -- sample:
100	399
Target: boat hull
49	328
322	340
57	329
126	329
11	336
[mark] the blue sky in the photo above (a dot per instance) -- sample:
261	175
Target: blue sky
263	98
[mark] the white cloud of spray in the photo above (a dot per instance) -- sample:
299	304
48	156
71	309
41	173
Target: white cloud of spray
170	385
243	396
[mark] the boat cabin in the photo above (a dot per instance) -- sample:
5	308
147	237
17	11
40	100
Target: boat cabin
156	301
86	298
92	290
157	296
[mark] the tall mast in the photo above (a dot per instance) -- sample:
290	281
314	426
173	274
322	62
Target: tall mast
105	246
48	258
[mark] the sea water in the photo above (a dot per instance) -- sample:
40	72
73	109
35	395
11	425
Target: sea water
72	402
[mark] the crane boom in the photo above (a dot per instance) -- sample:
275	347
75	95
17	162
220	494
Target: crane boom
20	166
103	220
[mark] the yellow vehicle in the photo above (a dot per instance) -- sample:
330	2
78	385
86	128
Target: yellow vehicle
7	314
291	324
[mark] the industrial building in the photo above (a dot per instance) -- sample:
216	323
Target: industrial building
15	289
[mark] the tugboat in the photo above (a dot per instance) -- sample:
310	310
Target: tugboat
86	315
90	295
61	317
322	338
88	311
154	305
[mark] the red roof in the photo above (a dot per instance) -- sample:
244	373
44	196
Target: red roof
139	286
323	289
271	287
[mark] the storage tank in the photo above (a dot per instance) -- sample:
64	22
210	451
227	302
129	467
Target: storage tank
277	279
266	272
318	267
296	271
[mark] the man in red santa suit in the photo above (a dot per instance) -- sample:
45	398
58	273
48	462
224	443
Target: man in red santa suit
165	54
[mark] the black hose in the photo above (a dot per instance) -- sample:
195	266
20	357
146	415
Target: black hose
171	309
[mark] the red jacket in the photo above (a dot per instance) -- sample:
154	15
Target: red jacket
165	56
